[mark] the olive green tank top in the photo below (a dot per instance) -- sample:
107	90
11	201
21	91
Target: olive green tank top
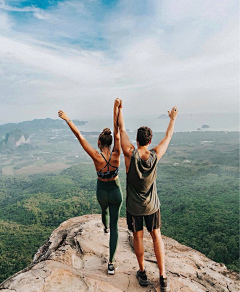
142	196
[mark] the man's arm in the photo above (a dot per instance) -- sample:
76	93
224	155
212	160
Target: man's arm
85	144
161	148
116	133
126	145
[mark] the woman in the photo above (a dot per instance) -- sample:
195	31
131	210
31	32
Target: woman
109	193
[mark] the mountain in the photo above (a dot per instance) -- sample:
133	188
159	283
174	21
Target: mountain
74	258
36	125
14	139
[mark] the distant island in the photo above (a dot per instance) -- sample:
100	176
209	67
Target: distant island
80	123
163	116
199	129
205	126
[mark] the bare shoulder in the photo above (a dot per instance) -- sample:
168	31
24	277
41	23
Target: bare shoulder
97	156
129	153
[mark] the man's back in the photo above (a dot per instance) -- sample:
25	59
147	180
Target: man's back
142	196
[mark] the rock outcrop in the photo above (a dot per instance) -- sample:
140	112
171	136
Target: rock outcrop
74	259
15	139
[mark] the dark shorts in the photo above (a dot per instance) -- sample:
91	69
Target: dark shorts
135	223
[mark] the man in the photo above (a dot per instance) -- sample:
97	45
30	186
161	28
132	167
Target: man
142	200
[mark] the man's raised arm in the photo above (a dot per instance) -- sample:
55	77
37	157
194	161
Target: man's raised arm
161	148
116	134
126	145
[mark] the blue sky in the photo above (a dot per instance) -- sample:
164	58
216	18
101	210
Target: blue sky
79	55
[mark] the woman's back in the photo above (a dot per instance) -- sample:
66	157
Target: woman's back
107	164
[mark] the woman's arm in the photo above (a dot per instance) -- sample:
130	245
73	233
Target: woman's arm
86	146
116	133
161	148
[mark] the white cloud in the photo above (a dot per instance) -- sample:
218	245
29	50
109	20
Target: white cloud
3	6
5	22
138	60
184	10
41	15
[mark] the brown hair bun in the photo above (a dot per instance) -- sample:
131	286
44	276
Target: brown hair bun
105	138
107	131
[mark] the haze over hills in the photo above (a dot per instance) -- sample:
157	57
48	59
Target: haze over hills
185	123
36	125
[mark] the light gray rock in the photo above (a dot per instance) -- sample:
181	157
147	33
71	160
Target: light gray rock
74	259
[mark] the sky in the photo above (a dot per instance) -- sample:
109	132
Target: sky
79	55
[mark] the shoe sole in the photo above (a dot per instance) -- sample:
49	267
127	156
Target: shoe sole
165	289
142	282
111	272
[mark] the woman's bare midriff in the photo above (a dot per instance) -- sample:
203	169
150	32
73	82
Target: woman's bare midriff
108	179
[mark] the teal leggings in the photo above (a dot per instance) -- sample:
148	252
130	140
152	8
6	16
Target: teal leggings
109	196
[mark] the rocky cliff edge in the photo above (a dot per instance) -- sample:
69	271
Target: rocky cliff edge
74	259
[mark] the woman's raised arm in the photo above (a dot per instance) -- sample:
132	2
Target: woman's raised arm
82	140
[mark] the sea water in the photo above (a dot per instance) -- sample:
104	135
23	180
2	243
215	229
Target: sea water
184	122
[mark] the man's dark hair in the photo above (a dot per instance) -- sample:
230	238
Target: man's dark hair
106	137
144	136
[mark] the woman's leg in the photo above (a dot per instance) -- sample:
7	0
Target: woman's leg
102	197
114	208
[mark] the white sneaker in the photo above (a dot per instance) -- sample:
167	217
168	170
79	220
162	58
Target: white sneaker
111	269
106	231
